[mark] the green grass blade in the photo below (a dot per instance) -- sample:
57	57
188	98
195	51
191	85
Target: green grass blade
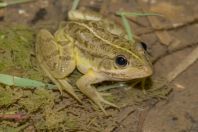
23	82
129	14
3	4
126	23
75	4
14	2
127	28
112	86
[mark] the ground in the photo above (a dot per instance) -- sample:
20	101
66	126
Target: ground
170	39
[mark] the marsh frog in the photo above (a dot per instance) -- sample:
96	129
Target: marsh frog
97	47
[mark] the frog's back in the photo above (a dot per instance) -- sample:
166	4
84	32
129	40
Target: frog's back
93	38
97	47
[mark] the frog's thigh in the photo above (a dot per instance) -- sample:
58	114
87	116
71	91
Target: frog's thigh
56	66
85	86
57	55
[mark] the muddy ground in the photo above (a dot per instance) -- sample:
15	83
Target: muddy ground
170	39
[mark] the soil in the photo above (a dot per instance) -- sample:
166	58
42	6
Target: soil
169	39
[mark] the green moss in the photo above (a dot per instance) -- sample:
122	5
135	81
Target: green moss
16	50
70	123
18	42
5	128
55	120
111	98
8	96
41	98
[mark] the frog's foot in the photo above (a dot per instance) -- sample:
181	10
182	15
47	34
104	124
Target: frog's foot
96	96
68	88
86	87
60	83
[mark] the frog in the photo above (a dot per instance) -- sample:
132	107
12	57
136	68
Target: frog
97	48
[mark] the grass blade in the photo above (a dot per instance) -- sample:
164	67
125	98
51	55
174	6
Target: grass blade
14	2
75	4
22	82
130	14
127	28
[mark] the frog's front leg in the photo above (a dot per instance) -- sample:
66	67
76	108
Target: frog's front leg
85	86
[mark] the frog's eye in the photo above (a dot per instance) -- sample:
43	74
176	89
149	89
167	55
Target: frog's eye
144	45
121	60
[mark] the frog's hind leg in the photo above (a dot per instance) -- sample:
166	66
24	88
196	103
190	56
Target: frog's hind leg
85	86
56	64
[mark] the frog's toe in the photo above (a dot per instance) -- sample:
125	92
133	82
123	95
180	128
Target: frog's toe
60	90
69	89
98	99
71	92
86	87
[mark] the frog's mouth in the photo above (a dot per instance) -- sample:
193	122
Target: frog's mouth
129	74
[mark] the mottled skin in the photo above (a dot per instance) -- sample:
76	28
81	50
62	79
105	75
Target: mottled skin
91	44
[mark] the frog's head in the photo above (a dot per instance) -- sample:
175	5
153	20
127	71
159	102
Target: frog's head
129	65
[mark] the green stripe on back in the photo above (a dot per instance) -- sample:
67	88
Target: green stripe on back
106	41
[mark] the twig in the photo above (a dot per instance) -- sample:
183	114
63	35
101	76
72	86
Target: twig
17	117
188	61
170	27
142	118
14	2
169	52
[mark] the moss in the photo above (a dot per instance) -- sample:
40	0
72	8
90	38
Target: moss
41	98
111	98
5	128
16	51
8	96
55	120
18	42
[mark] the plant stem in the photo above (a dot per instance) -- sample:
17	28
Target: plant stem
14	2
